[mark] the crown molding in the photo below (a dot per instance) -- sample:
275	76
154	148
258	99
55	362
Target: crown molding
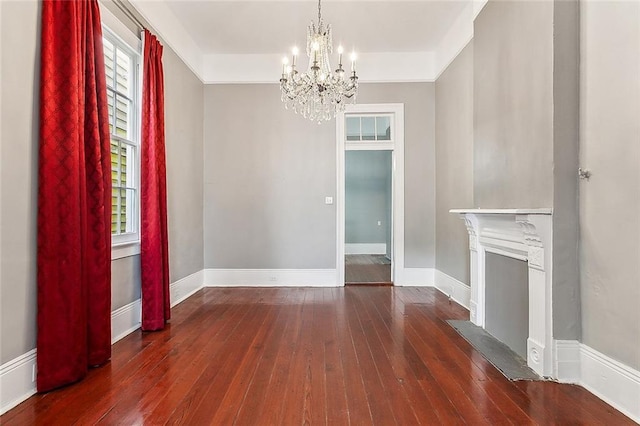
373	67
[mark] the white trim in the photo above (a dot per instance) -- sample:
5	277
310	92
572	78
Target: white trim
615	383
185	287
119	29
170	29
17	380
457	290
125	320
119	251
567	361
372	67
414	277
397	233
524	234
269	277
611	381
365	248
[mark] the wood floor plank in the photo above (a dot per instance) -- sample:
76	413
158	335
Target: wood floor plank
336	356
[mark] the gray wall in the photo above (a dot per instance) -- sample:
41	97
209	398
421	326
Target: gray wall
19	35
268	170
20	75
419	164
610	200
184	123
526	127
566	108
513	105
507	310
368	196
454	164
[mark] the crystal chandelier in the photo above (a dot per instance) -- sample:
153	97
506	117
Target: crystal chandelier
318	94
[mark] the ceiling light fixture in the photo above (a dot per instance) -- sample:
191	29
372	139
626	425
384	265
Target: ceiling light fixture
320	93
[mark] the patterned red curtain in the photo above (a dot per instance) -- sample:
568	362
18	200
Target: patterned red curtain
74	196
154	250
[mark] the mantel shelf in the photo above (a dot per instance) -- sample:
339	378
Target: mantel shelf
546	211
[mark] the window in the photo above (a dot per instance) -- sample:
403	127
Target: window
122	72
368	128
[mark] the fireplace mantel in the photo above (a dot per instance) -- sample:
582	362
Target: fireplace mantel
524	234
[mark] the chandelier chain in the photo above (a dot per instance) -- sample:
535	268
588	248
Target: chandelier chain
319	13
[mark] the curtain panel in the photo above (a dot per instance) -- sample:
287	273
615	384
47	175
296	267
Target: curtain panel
154	249
74	196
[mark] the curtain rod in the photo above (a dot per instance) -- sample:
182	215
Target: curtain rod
129	14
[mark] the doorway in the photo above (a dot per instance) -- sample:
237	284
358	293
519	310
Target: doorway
370	194
368	216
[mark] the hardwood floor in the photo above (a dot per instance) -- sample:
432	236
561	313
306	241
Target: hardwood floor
367	269
290	356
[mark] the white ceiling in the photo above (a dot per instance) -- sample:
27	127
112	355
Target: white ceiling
259	27
243	41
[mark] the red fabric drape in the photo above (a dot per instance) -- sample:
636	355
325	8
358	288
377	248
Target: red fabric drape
74	196
154	250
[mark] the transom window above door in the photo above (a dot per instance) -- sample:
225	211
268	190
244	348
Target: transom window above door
368	128
369	131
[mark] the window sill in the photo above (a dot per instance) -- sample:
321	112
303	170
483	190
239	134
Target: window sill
119	251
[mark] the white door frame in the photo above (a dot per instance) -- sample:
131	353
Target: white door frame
397	237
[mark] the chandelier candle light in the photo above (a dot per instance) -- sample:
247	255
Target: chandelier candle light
318	94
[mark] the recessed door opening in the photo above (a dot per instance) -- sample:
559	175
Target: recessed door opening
368	216
370	194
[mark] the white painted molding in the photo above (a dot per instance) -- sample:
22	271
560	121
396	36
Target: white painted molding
372	68
171	31
270	278
397	247
611	381
414	277
567	361
185	287
17	377
457	290
365	248
455	40
615	383
524	234
125	320
17	380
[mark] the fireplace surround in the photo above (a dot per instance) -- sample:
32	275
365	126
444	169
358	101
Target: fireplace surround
524	234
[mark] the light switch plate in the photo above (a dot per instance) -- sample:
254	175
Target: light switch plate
328	200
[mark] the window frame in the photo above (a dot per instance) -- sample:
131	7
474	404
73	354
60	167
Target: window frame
128	243
363	144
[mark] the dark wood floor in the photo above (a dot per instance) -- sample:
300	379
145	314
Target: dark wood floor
367	269
269	356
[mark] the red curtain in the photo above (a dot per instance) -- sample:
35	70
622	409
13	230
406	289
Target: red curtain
154	250
74	196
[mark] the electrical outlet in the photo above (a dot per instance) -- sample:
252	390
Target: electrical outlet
273	279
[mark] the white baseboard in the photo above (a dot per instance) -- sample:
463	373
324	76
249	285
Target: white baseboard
613	382
17	377
414	277
270	278
457	290
125	320
567	361
365	248
185	287
17	380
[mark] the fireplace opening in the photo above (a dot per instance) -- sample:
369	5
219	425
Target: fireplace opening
507	301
